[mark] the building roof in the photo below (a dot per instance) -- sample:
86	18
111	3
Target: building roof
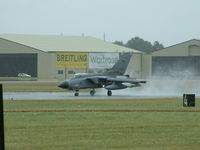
189	42
59	43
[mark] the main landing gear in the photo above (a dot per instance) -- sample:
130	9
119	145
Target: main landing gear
109	93
92	92
76	93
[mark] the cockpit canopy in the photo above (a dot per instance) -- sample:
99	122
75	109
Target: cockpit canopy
79	75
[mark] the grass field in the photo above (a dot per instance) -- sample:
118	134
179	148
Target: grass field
131	124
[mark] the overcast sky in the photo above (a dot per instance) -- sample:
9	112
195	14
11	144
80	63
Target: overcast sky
166	21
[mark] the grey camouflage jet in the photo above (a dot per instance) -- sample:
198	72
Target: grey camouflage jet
111	79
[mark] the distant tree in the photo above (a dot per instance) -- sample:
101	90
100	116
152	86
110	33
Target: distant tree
141	45
157	46
119	43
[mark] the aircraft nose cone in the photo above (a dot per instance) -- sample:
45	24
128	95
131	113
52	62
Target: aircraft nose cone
64	85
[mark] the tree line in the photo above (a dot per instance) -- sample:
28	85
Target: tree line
141	45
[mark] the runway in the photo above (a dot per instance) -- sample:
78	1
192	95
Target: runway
84	95
152	89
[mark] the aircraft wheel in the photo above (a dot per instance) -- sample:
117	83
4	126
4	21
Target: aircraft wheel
109	93
76	94
92	92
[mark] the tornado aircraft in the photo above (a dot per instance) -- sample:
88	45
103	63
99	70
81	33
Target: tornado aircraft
111	79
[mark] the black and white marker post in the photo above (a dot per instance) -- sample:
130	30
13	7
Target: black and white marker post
2	144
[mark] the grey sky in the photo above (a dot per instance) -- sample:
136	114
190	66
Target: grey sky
167	21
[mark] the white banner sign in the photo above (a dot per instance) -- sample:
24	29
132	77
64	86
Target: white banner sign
102	60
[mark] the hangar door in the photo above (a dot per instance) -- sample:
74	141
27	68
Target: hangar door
176	66
12	64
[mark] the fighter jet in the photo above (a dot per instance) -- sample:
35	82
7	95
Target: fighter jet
111	79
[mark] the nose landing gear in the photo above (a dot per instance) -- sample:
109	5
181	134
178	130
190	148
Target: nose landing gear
76	93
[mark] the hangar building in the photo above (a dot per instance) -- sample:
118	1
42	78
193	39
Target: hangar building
177	61
59	57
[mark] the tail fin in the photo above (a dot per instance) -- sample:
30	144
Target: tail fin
121	65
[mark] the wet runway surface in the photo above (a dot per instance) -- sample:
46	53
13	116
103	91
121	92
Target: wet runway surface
152	89
84	95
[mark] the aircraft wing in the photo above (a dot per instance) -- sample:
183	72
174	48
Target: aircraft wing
126	80
96	79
